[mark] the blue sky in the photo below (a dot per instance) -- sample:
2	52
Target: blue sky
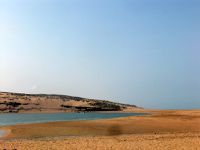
132	51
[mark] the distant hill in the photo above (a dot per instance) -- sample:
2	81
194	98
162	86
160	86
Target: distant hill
20	102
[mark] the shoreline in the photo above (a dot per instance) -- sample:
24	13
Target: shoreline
5	133
158	122
64	121
164	129
49	111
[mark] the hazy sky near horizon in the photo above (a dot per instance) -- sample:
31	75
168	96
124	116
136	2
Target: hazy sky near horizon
132	51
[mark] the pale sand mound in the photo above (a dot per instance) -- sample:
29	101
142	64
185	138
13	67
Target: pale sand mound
21	102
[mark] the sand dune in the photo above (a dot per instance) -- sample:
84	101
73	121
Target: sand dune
21	102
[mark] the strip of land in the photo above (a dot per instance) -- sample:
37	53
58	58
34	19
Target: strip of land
42	103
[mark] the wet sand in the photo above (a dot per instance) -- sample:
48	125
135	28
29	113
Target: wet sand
4	133
162	130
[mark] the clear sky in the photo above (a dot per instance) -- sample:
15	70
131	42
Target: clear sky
143	52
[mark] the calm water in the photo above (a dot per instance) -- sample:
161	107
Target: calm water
12	119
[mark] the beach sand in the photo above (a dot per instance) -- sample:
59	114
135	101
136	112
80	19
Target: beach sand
168	130
123	142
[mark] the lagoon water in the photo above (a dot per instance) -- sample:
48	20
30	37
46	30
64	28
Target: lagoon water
12	119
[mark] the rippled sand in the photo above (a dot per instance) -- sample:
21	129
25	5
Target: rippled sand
125	142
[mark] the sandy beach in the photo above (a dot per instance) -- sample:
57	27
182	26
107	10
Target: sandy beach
162	130
186	141
99	75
